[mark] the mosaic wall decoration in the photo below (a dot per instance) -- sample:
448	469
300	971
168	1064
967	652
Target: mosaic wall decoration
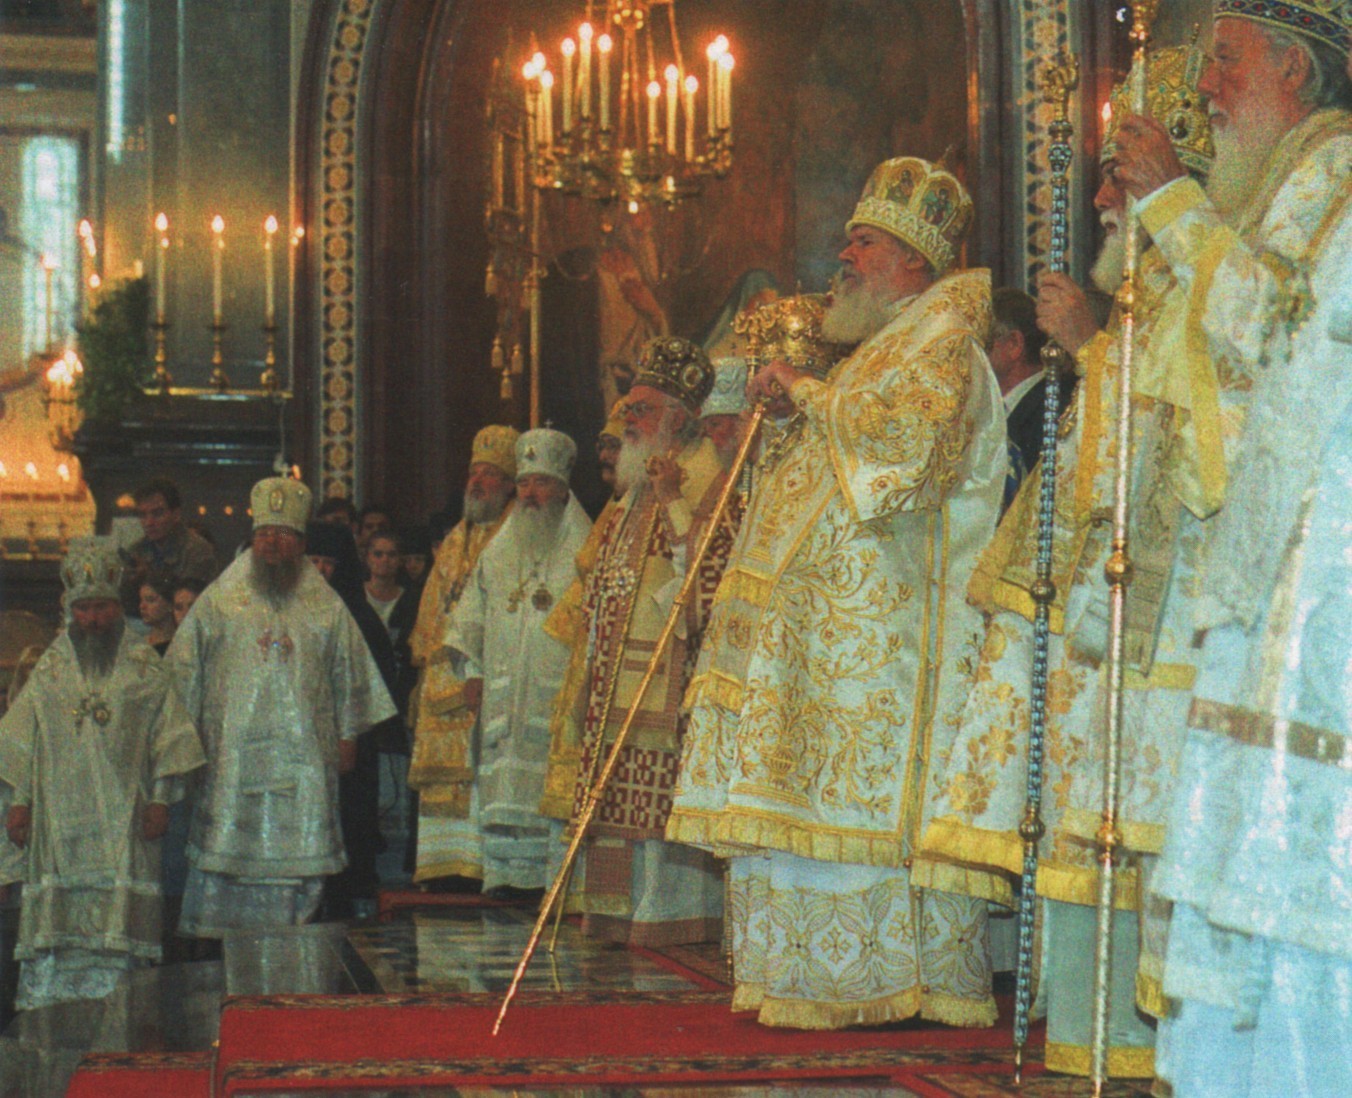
340	376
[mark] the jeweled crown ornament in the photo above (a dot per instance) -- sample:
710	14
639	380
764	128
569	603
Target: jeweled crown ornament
280	501
1327	21
91	569
496	445
791	329
919	203
678	368
546	451
1172	99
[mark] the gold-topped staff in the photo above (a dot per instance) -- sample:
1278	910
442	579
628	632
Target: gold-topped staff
597	790
1118	574
1058	81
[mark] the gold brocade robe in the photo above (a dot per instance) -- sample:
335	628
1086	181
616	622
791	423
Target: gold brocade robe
441	767
842	615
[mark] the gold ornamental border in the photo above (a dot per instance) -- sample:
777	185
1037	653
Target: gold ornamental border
339	372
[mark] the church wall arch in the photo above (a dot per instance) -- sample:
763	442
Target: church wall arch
419	324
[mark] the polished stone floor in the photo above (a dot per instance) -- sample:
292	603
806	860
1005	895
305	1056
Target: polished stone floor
176	1007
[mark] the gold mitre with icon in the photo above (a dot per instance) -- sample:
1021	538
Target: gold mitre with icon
496	445
678	368
790	329
921	204
1326	21
280	501
91	569
1172	100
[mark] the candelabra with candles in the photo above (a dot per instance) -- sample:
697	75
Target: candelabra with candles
629	131
63	414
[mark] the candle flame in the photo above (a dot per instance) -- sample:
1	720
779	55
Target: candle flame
297	234
585	32
49	262
1107	113
654	90
539	61
86	230
605	43
569	47
161	223
63	471
529	71
546	79
672	74
270	225
718	47
3	471
727	61
95	282
31	470
218	224
691	84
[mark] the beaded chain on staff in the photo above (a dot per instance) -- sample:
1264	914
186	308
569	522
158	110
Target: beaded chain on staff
1058	81
1118	573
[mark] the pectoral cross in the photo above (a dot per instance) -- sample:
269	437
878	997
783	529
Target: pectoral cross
282	645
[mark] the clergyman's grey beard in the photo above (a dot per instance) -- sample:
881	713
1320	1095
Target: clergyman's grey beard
537	526
1243	149
96	652
481	511
631	467
275	582
858	310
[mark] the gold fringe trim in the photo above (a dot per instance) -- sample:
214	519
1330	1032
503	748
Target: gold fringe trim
1150	996
1124	1062
742	827
950	839
962	880
454	868
818	1014
1073	884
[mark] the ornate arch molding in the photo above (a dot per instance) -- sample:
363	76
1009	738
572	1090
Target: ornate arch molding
338	230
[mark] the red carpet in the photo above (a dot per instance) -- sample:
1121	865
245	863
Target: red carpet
138	1074
304	1042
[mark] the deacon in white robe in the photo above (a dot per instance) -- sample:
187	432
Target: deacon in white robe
279	680
511	667
93	751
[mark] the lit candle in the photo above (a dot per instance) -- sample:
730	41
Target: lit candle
217	254
569	48
604	45
584	34
547	94
88	250
691	87
717	48
725	66
529	72
161	262
269	272
673	75
654	94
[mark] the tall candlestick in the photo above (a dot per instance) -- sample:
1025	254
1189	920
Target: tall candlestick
654	94
691	87
269	272
161	262
725	65
569	48
217	253
529	72
584	34
547	97
673	76
48	273
717	48
604	45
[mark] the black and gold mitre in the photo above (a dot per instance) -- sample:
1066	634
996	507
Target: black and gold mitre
1172	100
678	368
790	329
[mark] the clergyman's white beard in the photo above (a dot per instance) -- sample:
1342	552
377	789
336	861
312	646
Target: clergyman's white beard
1106	274
1243	149
536	527
631	467
480	511
858	310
